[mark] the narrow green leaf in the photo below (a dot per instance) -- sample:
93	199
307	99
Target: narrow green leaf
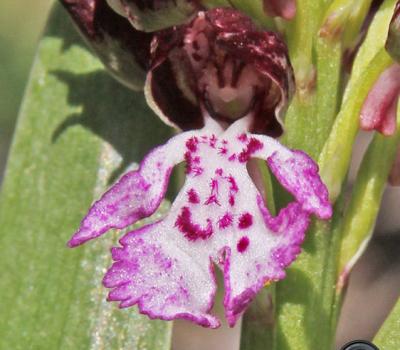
335	158
388	337
360	216
371	60
77	131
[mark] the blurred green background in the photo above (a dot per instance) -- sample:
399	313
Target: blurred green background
21	23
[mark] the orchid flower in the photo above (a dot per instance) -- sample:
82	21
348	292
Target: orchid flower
227	84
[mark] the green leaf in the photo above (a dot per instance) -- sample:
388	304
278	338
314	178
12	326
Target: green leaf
388	337
371	61
78	130
360	216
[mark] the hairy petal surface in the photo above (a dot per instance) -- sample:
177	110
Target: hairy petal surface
380	107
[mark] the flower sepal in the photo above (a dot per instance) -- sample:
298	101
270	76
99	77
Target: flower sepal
124	51
154	15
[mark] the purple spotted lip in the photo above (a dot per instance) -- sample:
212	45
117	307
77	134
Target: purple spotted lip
218	219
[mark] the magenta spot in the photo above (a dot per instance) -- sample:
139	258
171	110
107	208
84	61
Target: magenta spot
213	141
219	171
252	146
213	198
192	143
222	150
242	137
191	230
233	189
245	220
225	221
233	185
232	157
193	196
243	244
192	166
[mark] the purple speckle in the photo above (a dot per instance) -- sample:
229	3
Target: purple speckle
245	221
191	230
253	146
232	157
243	244
192	166
222	150
242	137
233	189
213	141
192	143
225	221
193	196
213	198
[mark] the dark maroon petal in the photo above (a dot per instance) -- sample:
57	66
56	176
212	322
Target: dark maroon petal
393	40
221	63
154	15
123	50
281	8
379	109
268	54
229	20
168	100
164	42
